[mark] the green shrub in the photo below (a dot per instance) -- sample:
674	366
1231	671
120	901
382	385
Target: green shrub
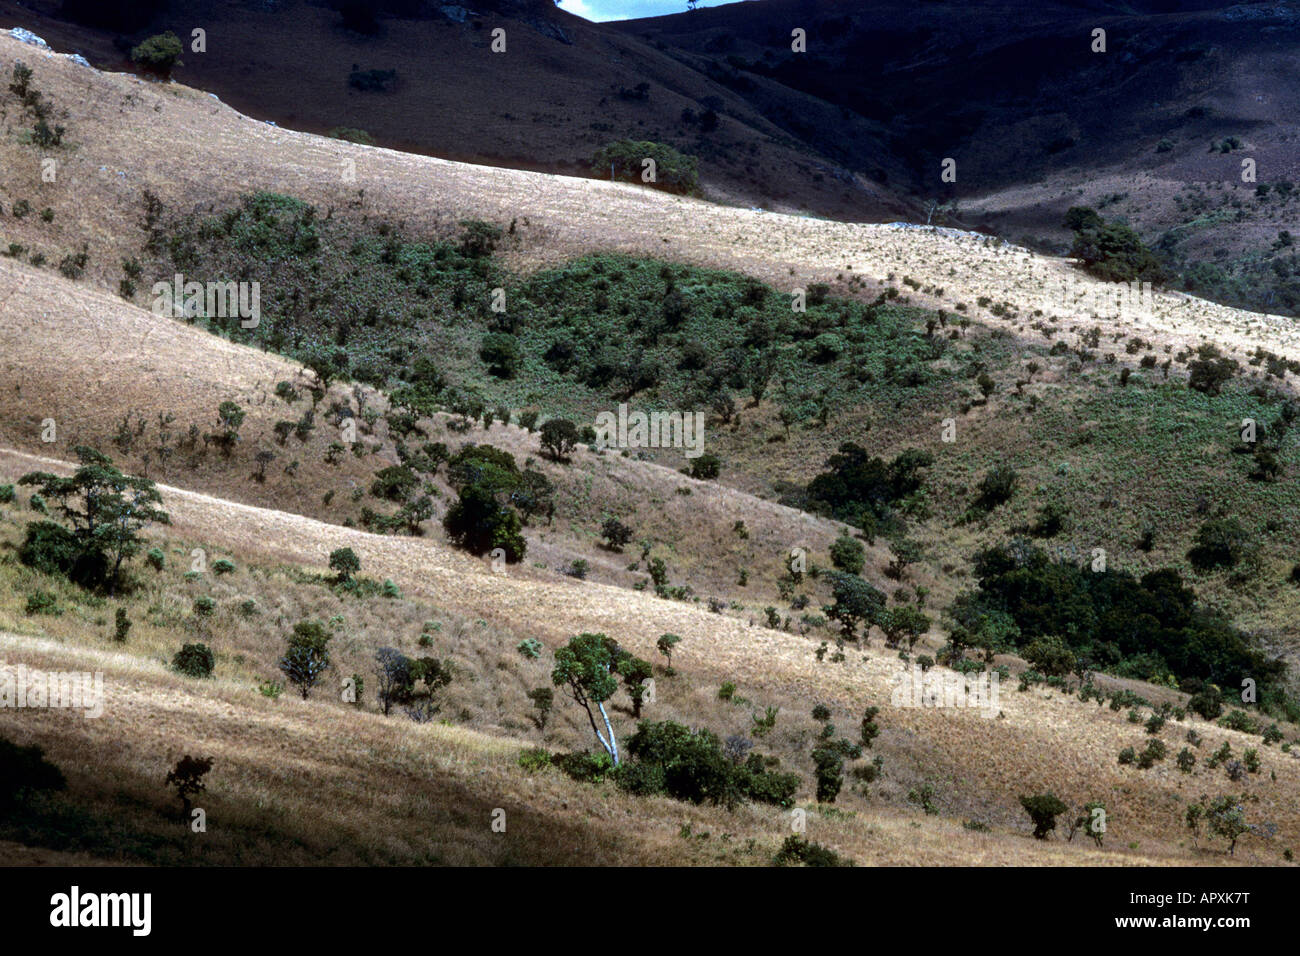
307	656
640	779
1239	720
479	239
352	135
194	660
1208	702
158	54
1110	251
694	768
585	767
204	606
43	602
533	759
502	354
673	171
6	494
997	487
156	558
479	524
223	566
121	626
52	549
848	555
1222	543
1050	656
1154	752
705	468
798	850
345	562
1043	810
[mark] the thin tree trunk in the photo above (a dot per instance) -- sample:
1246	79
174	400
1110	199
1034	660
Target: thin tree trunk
613	744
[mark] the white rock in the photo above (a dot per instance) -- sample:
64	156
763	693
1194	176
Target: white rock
27	36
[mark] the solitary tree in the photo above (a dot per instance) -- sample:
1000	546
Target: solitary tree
396	673
106	508
1043	809
559	437
159	54
856	602
635	673
585	668
901	623
666	643
307	656
436	675
615	533
345	562
1227	818
187	777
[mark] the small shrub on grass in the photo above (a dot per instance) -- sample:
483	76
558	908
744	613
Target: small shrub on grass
1043	810
43	602
533	759
194	660
121	626
798	850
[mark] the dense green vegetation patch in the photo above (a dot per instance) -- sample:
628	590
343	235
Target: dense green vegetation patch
362	302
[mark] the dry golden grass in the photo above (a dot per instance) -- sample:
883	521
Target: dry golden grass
1040	740
300	783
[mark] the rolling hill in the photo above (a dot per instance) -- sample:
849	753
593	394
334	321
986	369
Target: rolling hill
141	159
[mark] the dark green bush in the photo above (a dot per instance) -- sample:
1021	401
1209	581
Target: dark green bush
674	172
194	660
1043	810
158	54
798	850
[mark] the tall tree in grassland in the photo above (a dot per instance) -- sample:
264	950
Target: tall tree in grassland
106	509
585	667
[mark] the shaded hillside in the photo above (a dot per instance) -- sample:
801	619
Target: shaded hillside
1154	130
562	89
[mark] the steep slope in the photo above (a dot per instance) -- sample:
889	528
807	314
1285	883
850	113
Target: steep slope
74	349
562	88
131	136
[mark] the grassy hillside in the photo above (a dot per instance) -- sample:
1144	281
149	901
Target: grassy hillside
924	361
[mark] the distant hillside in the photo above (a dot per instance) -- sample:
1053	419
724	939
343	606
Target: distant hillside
1154	129
855	128
562	89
